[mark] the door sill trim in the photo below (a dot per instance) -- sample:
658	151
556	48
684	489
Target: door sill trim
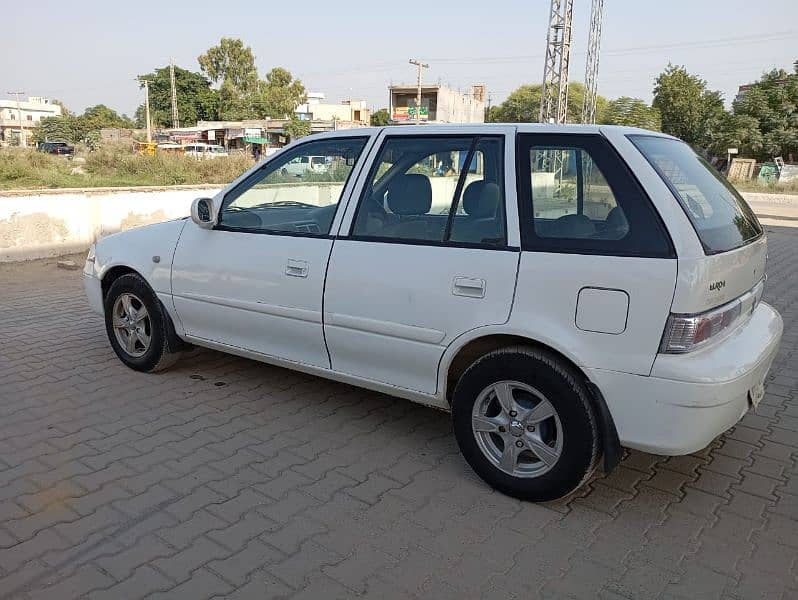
377	386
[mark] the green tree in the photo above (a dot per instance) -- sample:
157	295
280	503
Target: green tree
100	116
632	112
769	106
523	105
689	110
232	66
297	128
230	62
278	95
196	100
65	112
738	131
59	129
82	128
379	118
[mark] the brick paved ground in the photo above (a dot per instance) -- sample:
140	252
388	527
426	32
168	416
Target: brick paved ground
229	477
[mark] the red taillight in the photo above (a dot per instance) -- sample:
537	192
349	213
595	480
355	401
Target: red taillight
684	333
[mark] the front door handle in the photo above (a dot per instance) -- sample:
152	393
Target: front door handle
471	287
296	268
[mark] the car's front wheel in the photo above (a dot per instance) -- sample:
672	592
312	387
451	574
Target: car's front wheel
524	422
136	324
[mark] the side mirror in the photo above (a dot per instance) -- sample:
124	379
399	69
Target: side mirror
202	213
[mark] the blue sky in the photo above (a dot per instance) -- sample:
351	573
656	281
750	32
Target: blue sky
89	52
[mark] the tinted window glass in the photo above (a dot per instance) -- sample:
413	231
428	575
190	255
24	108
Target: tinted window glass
435	189
576	195
571	197
289	194
720	216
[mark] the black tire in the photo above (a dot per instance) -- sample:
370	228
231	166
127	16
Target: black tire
158	355
566	392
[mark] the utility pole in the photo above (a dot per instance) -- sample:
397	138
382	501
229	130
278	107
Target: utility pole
22	141
146	84
554	95
175	117
419	65
592	63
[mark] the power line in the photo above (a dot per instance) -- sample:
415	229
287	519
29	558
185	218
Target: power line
720	42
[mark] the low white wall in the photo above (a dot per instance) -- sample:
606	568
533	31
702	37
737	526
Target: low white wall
47	223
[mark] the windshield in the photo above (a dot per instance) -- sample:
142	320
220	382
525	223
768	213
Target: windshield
721	217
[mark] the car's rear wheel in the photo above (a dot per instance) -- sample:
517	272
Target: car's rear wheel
137	325
524	422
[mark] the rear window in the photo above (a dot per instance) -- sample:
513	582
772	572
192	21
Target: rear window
721	217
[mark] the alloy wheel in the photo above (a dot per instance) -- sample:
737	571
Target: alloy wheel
132	325
517	429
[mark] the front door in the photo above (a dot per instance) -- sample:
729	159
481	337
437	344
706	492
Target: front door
255	281
425	260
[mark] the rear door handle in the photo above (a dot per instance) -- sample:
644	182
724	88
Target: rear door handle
296	268
471	287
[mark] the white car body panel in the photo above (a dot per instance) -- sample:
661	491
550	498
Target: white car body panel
252	303
384	315
148	251
399	305
545	306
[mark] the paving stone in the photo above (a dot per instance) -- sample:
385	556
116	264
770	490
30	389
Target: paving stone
179	566
217	486
143	582
122	564
84	580
237	568
201	584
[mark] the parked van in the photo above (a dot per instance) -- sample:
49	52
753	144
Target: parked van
204	151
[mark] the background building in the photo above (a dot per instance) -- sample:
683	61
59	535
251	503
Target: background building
315	109
24	116
439	104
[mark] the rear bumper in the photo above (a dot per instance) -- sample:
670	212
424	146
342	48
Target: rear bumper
690	399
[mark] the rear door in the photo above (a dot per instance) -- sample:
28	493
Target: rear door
422	256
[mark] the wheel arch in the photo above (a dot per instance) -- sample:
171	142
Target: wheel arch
110	275
463	355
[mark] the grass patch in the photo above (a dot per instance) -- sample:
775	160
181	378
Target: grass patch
22	168
766	188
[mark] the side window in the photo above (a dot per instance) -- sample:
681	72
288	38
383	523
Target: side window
571	197
576	194
292	195
435	189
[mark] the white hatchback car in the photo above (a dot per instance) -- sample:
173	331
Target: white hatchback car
563	290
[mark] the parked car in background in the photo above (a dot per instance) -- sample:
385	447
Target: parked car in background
565	291
204	151
61	148
302	164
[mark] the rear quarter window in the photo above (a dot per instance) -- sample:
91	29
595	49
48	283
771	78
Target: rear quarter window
720	216
576	195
